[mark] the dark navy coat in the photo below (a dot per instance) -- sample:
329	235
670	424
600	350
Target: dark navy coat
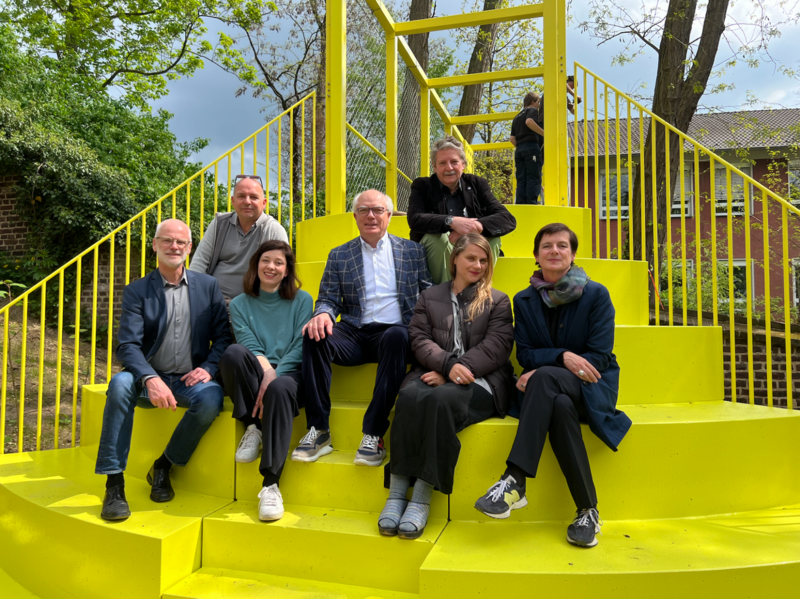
143	323
586	329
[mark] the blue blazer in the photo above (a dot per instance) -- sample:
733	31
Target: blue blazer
586	329
144	322
341	290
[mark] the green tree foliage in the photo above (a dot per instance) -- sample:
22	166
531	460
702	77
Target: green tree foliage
136	46
87	161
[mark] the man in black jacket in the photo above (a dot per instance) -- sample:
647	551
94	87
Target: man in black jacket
449	204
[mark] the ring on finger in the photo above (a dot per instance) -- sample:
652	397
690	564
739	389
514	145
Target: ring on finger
581	373
458	379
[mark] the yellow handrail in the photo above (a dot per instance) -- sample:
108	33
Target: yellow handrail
375	150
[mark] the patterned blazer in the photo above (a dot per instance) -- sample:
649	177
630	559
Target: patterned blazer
341	290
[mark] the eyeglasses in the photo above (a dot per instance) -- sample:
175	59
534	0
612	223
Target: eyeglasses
168	241
238	178
376	210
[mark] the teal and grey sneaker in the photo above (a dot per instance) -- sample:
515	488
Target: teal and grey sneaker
502	497
584	527
313	446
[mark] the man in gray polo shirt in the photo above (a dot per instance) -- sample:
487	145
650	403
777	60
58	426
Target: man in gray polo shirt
240	234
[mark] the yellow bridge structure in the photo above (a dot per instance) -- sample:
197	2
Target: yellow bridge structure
702	500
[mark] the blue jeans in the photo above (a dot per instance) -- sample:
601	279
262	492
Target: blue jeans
204	402
527	159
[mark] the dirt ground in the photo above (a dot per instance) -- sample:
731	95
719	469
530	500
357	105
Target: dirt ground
36	434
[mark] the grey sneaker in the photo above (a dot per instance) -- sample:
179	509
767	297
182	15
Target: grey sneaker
371	452
501	498
584	527
249	446
313	446
270	504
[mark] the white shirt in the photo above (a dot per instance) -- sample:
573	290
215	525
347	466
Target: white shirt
380	284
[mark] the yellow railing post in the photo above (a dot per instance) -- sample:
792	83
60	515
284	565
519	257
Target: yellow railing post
425	131
554	179
391	116
336	97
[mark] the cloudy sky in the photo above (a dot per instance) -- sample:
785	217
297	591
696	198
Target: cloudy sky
205	105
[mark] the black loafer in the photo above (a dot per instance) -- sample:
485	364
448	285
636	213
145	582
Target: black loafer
162	488
115	506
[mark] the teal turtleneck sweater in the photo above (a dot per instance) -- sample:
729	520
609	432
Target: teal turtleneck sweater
271	326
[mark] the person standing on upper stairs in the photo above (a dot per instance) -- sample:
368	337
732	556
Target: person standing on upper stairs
462	334
451	203
232	237
526	139
172	332
373	282
564	332
261	372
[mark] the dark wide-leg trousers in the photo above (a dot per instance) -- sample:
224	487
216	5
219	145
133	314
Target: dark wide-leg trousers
241	376
426	422
553	403
386	344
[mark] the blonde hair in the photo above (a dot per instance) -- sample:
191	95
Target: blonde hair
483	291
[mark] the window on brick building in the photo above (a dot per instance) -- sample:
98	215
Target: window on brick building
737	189
739	280
793	180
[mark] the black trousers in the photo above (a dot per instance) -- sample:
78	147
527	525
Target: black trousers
553	403
241	376
386	344
426	421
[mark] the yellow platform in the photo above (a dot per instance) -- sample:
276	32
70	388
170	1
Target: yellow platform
11	589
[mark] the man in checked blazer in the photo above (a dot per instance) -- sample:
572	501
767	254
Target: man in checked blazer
373	282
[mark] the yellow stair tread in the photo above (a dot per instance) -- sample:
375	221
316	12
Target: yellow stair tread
219	583
320	519
64	481
728	541
11	589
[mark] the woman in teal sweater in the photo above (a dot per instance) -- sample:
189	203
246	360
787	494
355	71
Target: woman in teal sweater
261	372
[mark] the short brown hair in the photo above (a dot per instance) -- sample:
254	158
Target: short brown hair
529	99
552	229
290	283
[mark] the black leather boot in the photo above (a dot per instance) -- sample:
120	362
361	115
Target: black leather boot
161	491
115	506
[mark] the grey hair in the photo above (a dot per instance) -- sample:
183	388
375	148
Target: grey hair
158	228
448	142
386	200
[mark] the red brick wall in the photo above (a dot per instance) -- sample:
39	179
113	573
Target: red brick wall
13	231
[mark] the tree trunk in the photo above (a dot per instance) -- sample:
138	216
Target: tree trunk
409	118
677	92
478	63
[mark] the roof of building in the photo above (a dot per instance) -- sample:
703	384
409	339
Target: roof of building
717	131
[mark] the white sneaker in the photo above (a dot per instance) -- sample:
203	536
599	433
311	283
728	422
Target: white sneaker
249	445
270	504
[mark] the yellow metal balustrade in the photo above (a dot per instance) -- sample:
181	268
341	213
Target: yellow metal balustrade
729	209
288	154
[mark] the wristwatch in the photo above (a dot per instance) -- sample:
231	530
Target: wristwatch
448	221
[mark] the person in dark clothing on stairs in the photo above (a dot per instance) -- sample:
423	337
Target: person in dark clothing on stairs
462	335
261	372
564	332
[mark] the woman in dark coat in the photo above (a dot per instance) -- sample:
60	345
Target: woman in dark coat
565	335
462	336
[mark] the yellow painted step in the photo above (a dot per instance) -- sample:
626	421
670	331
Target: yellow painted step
627	282
735	556
55	544
11	589
332	481
211	469
678	460
216	583
317	236
695	374
321	544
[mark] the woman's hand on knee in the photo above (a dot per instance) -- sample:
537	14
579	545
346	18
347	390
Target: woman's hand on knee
522	382
433	378
581	367
269	376
461	375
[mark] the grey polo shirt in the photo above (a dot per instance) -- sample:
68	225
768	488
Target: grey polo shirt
237	251
175	354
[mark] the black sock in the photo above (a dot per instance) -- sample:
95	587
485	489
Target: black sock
271	479
516	472
162	463
115	479
248	419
